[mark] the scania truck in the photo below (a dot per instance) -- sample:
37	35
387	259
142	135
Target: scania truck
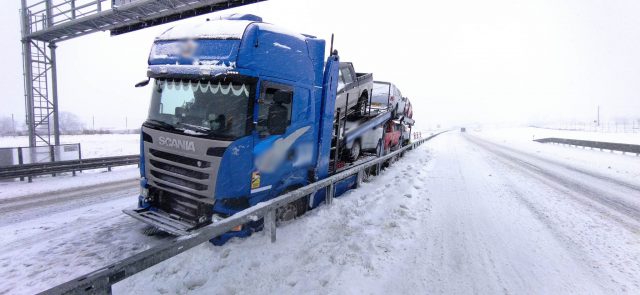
241	111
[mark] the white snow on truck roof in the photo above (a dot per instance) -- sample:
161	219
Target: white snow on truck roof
215	29
221	29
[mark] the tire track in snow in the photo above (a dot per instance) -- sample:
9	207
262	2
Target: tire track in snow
605	248
20	209
570	186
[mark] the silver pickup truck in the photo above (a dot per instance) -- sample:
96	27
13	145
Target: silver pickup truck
353	90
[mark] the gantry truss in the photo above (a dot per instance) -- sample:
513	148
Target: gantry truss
46	22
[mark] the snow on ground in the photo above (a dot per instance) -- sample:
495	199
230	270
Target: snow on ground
47	184
456	216
480	212
67	235
537	133
93	146
615	164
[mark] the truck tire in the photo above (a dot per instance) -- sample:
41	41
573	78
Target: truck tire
379	153
292	210
354	151
361	107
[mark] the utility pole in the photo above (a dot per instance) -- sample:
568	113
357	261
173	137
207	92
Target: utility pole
93	121
126	123
13	125
598	116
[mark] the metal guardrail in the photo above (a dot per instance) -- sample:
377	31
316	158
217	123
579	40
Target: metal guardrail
100	281
35	169
612	146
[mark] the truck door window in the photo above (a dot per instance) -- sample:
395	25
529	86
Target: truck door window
340	81
280	110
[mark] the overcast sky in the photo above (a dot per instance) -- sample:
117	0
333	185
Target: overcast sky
458	61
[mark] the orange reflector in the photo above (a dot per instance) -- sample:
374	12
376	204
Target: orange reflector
237	228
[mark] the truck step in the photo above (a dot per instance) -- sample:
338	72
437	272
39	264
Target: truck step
162	220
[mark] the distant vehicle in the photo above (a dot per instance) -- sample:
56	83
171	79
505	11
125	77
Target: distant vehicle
357	86
387	95
463	129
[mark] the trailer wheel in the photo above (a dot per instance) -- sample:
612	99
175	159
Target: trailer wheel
354	152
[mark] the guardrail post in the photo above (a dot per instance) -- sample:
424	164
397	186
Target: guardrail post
359	178
330	192
52	155
80	155
20	160
270	224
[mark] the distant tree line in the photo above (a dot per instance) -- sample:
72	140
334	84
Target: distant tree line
69	123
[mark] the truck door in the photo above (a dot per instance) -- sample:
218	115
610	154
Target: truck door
283	143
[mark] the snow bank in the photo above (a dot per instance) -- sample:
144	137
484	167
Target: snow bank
612	164
344	248
536	133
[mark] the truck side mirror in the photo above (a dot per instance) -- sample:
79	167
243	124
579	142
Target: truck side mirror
142	83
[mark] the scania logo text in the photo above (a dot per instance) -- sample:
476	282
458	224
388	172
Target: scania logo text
177	143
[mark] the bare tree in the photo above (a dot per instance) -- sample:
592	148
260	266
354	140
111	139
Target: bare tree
70	123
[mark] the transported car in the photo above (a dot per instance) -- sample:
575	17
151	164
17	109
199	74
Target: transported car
392	136
387	96
370	141
354	86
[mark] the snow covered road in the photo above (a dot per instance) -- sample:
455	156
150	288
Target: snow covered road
50	238
459	215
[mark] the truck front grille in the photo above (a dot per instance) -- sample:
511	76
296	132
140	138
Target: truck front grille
186	176
182	182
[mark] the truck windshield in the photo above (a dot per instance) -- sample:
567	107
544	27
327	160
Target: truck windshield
217	109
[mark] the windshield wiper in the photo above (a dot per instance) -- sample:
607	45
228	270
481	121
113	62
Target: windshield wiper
161	124
195	127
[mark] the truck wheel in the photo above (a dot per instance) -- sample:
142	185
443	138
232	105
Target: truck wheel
354	152
361	108
292	210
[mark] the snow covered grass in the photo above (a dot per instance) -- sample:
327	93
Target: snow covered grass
93	146
531	133
613	164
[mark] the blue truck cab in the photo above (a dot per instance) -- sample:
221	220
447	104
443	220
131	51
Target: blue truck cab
241	111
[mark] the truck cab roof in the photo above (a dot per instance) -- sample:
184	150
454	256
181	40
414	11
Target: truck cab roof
239	44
